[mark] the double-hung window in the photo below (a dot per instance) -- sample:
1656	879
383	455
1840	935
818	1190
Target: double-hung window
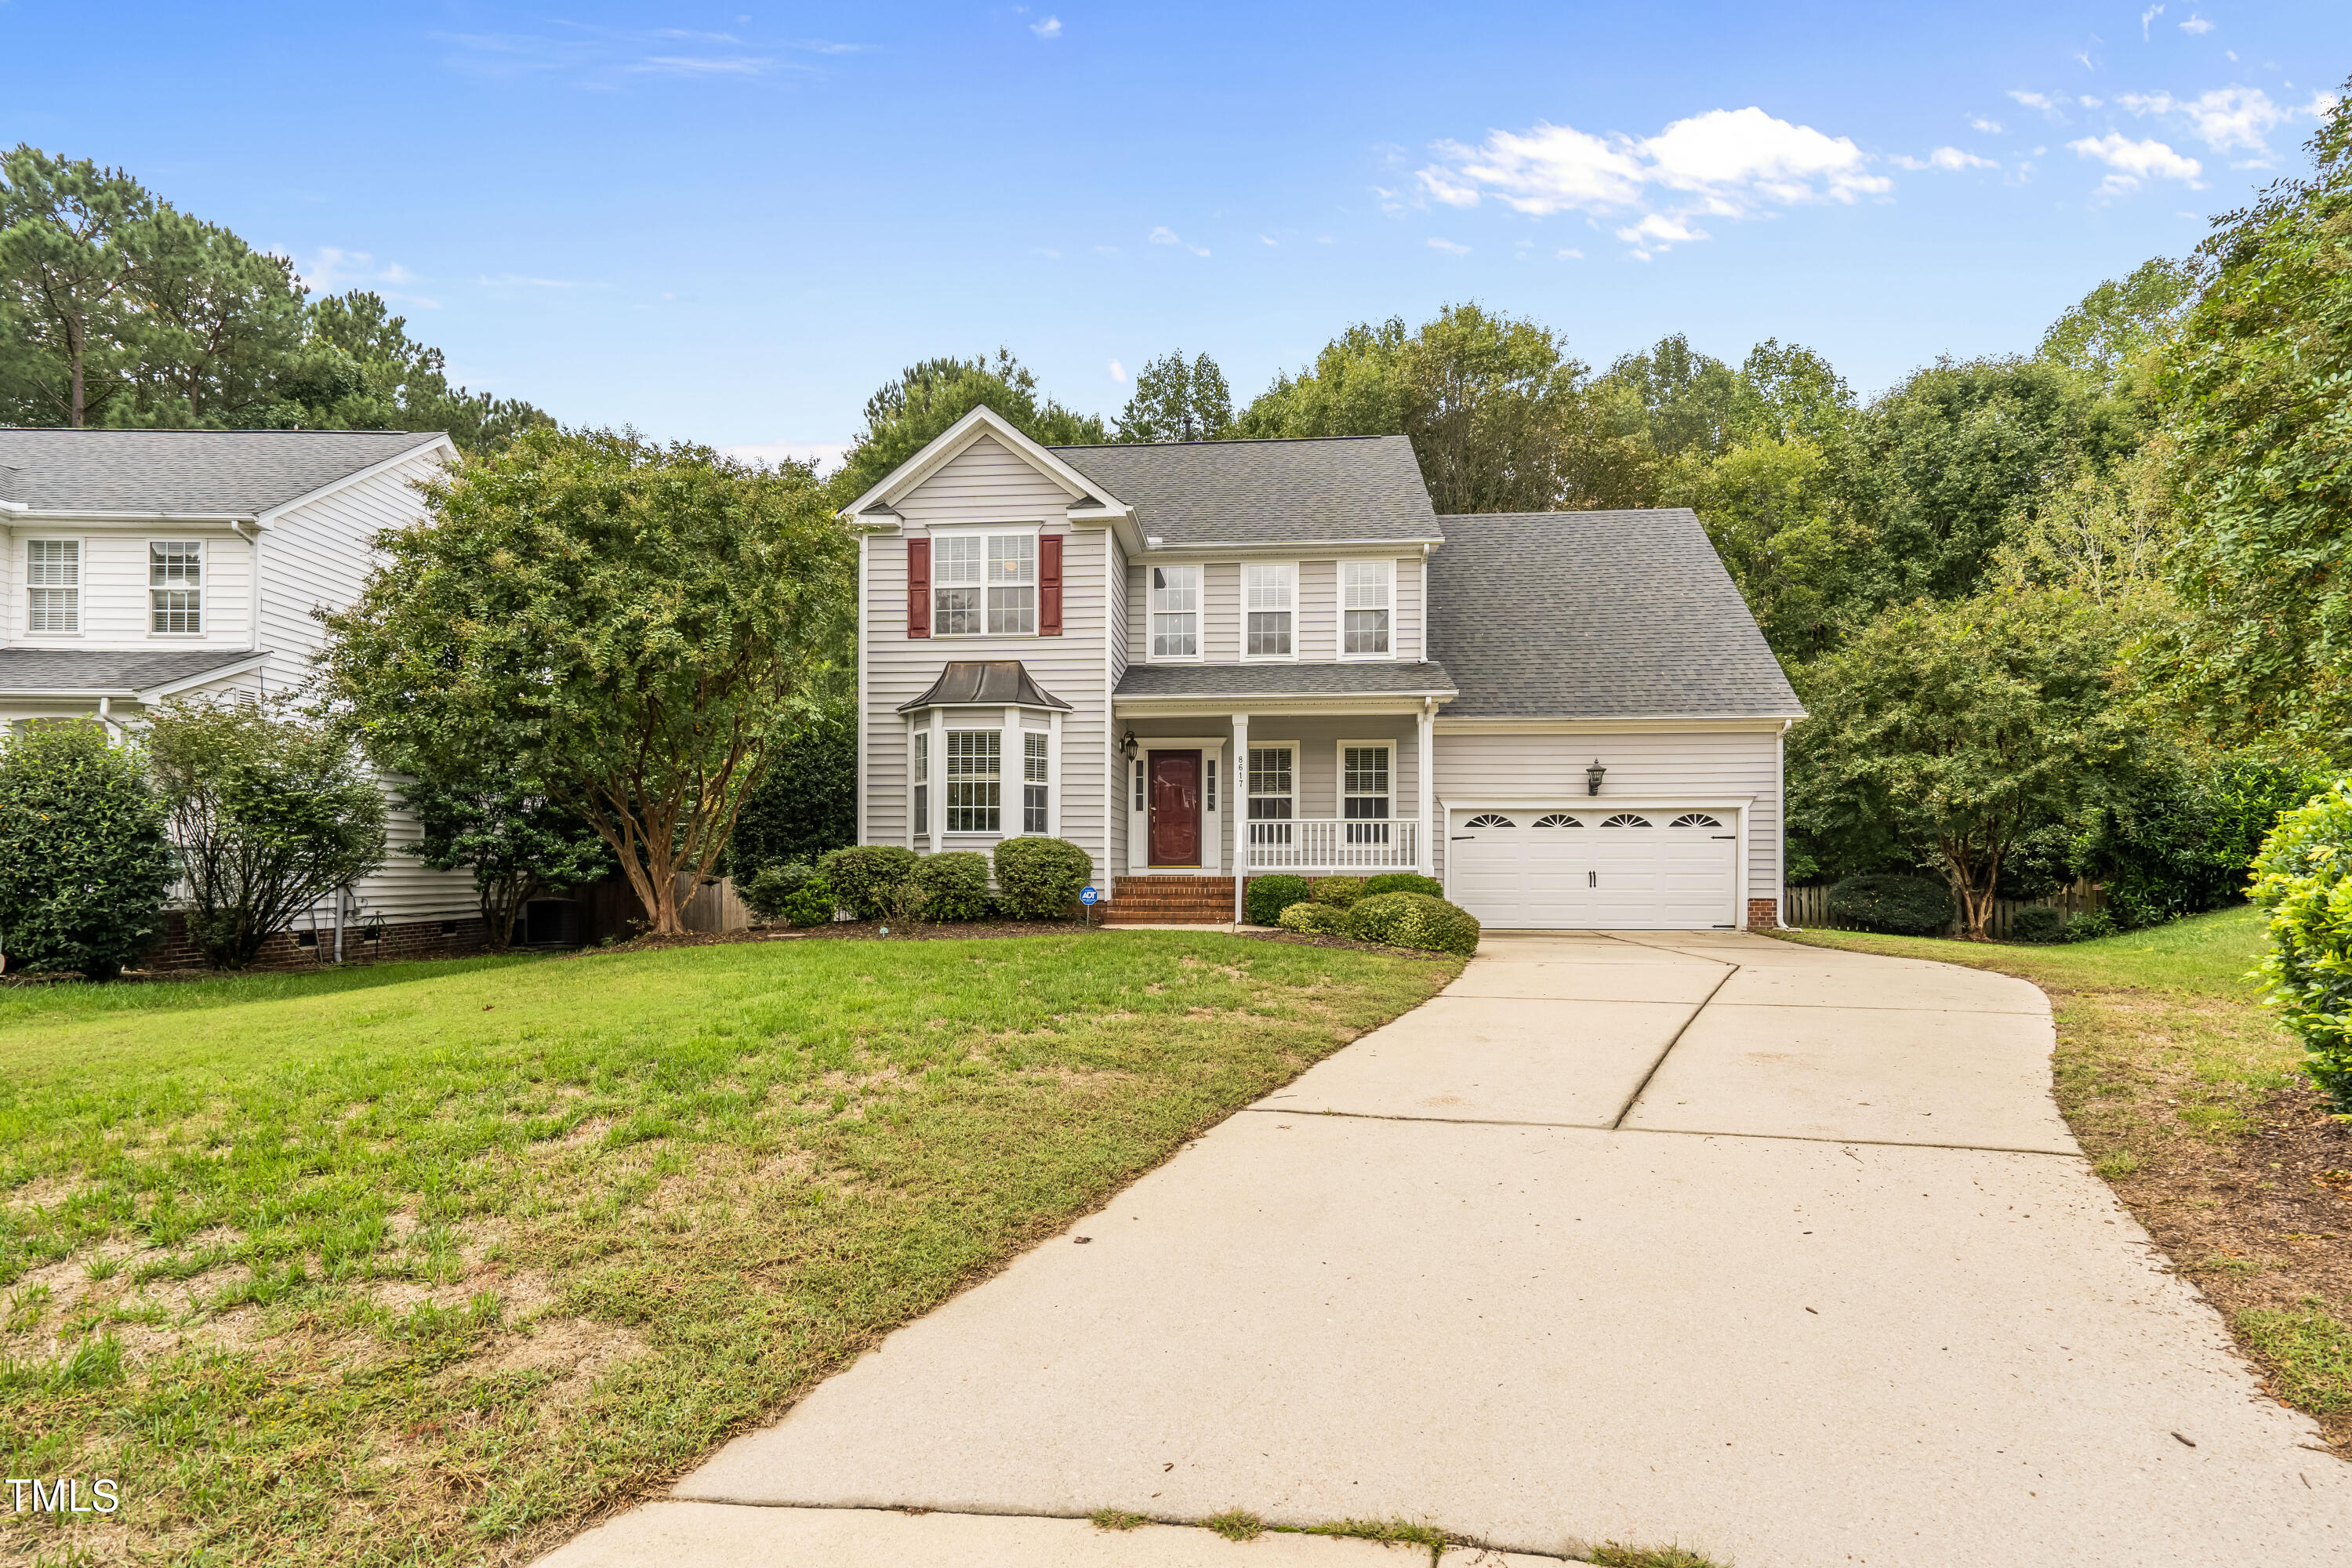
1364	793
1034	817
984	583
53	579
1175	612
1364	588
1273	797
1270	604
974	802
922	771
175	574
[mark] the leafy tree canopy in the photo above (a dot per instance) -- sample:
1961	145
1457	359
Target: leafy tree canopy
2108	337
908	413
1174	400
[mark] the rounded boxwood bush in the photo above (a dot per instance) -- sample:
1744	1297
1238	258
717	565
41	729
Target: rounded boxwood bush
954	885
766	890
1405	882
1317	919
1906	906
1339	892
1414	919
810	904
84	862
1269	896
2037	923
875	881
1039	879
2090	926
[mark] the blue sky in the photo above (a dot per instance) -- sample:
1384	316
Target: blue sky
731	222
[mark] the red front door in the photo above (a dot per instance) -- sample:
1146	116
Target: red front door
1175	808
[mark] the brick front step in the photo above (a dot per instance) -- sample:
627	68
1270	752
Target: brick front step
1170	901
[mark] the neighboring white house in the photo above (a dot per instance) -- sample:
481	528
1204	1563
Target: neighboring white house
140	565
1252	656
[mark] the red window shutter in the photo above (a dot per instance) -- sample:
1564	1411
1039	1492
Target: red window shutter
1049	586
918	587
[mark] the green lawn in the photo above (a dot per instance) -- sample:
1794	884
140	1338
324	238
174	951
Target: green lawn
2187	1096
420	1263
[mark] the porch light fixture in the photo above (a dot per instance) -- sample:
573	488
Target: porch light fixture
1592	777
1126	745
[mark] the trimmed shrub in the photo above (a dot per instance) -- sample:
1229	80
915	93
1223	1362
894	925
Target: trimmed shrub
1414	919
1269	896
769	888
1405	882
2090	926
811	904
1039	879
873	881
84	864
1316	919
1339	892
2305	876
2037	923
1906	906
954	885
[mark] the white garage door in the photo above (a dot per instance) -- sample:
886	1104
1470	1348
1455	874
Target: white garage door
1594	870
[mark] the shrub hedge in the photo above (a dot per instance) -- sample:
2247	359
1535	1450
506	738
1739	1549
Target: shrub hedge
1269	896
954	885
1039	879
1339	892
84	862
1414	919
2305	876
1405	882
811	904
1906	906
873	881
771	887
1319	919
2037	923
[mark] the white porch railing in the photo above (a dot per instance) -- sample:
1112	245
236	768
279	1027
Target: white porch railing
1324	844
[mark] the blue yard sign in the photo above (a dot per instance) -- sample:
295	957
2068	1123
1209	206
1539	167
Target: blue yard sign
1089	896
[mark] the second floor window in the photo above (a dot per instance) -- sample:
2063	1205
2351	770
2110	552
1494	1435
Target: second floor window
1364	606
985	585
1175	612
53	577
974	800
175	586
1268	592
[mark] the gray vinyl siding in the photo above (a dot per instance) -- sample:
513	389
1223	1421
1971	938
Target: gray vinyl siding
1106	779
985	482
1699	766
1318	611
1316	633
1221	612
1405	633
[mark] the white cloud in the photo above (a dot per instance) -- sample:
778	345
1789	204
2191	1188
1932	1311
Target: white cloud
1656	231
823	454
2226	119
1047	28
1118	371
331	270
2088	101
2040	101
2131	163
703	64
2197	24
1448	246
1950	159
1569	255
1269	240
1048	250
2150	15
1163	235
1990	127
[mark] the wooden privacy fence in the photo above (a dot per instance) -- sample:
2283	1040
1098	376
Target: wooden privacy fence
1811	907
713	908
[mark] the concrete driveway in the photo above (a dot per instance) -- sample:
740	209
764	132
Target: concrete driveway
1779	1254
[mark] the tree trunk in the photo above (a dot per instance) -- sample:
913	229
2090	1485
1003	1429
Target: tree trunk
76	358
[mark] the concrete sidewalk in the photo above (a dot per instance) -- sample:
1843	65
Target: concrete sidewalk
1778	1254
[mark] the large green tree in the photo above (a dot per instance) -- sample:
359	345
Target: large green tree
2257	394
215	326
1178	400
69	235
907	413
626	626
2110	334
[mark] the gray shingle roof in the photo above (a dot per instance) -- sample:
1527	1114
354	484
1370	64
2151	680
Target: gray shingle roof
1596	615
30	671
995	682
1367	679
1243	492
233	473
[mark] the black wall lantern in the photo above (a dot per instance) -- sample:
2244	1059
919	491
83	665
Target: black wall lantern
1592	777
1126	745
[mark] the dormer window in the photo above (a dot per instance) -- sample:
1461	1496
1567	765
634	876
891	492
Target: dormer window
175	571
1175	612
1364	598
53	580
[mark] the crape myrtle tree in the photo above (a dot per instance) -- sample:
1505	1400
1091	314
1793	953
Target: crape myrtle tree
626	625
84	864
1949	735
518	842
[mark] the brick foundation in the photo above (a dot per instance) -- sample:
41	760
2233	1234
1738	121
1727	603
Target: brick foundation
1763	914
416	939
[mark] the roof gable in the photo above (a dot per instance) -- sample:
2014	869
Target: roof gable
188	473
878	504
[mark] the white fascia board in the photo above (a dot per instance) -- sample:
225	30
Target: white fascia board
1289	549
24	517
448	449
252	661
1211	707
1648	724
948	444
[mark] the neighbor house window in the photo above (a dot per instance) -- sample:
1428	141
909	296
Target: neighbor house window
972	797
1175	612
1269	592
1272	798
1364	606
175	572
922	781
983	584
1364	793
1034	814
53	576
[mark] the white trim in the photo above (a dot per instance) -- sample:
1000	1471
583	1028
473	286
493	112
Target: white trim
1388	566
1054	772
1738	808
1719	723
267	517
253	610
170	688
863	751
1301	548
917	778
204	592
1138	827
22	613
1425	788
985	532
1339	777
936	829
1779	833
1280	704
1200	617
1012	778
1291	610
950	443
1254	744
1238	798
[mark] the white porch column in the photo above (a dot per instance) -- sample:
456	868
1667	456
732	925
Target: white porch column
1237	811
938	824
1424	771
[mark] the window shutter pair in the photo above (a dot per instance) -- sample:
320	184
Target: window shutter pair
1049	586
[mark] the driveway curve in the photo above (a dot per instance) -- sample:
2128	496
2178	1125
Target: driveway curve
1781	1254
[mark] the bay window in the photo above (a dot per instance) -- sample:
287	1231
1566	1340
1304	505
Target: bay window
1175	612
974	804
1034	817
922	774
1364	588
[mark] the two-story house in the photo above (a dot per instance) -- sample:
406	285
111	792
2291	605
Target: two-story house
1216	660
140	565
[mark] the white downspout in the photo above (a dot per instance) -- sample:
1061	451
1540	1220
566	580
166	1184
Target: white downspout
253	604
1780	837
